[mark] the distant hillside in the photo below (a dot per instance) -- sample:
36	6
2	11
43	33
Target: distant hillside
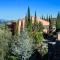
2	21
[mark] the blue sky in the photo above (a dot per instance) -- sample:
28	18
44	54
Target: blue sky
16	9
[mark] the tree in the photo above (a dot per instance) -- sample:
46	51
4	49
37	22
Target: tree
58	22
37	28
50	24
37	33
40	27
29	18
35	19
47	18
5	37
42	17
28	14
22	46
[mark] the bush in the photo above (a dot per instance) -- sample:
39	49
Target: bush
5	37
22	47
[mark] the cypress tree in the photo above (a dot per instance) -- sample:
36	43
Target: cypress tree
50	26
35	19
47	18
29	21
42	17
58	22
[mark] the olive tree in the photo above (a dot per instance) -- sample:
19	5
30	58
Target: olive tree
5	37
23	46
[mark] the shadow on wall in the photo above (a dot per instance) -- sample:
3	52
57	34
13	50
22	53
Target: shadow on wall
37	56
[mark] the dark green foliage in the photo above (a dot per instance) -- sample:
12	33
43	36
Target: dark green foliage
35	19
58	22
28	14
37	32
29	18
50	24
42	17
12	58
47	18
37	27
40	26
38	37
